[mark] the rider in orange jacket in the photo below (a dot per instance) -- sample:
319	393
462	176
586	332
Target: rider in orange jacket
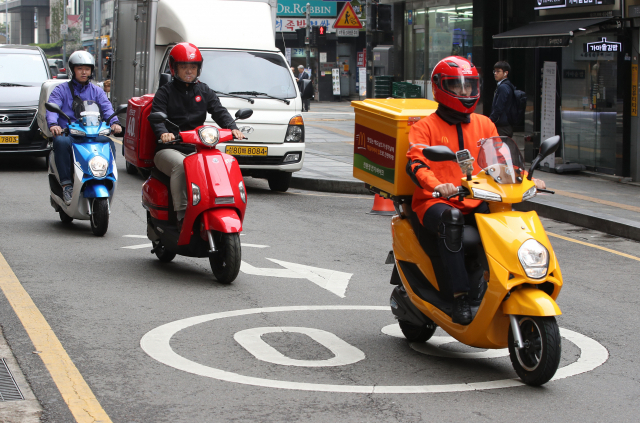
455	86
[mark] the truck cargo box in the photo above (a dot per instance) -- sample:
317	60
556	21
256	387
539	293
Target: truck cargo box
139	140
381	141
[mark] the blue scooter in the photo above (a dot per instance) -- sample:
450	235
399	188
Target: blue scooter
94	170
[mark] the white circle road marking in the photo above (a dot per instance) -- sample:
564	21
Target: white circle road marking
432	347
156	343
343	352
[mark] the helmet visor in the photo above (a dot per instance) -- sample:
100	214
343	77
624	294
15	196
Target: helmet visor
461	86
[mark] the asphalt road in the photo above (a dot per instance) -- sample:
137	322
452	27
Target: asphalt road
100	299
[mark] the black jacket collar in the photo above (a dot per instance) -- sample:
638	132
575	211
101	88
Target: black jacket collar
452	117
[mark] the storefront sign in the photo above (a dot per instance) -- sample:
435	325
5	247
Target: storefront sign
555	4
374	153
343	32
362	79
291	24
633	12
335	81
548	109
602	46
573	74
87	12
361	58
634	90
301	52
299	8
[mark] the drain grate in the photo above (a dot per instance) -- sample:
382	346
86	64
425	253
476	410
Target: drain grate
9	390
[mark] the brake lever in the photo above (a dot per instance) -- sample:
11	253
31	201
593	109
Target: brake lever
548	191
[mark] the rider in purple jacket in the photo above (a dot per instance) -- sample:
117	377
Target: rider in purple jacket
81	67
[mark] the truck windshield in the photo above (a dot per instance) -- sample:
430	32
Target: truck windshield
231	71
22	69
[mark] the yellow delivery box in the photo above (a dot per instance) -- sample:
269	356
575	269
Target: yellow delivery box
381	141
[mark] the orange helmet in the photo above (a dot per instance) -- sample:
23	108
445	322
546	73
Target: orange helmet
455	84
184	53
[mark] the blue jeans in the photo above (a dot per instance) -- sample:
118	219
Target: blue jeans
63	153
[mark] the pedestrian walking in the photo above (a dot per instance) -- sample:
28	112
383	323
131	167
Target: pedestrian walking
502	99
302	74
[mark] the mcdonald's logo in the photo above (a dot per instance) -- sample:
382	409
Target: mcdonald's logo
445	140
361	141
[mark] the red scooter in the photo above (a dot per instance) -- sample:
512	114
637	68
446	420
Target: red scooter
215	210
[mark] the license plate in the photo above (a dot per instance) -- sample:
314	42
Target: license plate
236	150
8	139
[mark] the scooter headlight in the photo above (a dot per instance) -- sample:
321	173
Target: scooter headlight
534	258
482	194
243	194
209	136
529	194
98	166
77	132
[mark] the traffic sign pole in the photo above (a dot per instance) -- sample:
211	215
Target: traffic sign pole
307	38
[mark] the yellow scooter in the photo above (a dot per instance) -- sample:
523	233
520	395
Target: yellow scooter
513	270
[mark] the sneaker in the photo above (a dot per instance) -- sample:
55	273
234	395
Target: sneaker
67	194
461	310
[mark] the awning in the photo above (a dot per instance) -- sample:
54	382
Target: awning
543	34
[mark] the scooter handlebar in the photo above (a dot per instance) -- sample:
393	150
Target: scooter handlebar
461	191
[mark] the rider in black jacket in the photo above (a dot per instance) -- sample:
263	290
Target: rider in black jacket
186	101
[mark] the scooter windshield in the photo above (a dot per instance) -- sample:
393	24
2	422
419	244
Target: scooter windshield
91	115
501	159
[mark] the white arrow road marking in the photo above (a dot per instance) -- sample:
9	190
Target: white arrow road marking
255	245
139	246
134	236
331	280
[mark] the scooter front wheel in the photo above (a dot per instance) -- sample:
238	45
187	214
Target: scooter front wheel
225	262
538	361
99	216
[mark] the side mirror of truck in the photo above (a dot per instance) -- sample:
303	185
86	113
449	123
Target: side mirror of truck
244	114
54	108
121	108
157	117
165	78
547	147
439	153
307	89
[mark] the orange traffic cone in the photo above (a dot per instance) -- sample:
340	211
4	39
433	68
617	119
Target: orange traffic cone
382	206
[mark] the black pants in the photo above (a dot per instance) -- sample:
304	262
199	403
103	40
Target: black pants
505	131
453	262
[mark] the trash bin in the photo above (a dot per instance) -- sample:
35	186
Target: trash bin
381	141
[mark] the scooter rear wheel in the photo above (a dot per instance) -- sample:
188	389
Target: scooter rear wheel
131	169
99	216
415	333
162	253
65	218
538	361
225	262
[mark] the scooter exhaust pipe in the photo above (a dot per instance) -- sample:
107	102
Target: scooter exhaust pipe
515	328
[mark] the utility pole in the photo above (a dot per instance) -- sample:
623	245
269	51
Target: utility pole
96	31
6	21
306	39
369	55
64	36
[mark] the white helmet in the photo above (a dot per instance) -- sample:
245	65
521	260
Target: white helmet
79	58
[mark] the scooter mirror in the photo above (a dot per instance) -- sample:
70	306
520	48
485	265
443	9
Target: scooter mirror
244	114
547	147
157	117
439	153
121	108
54	108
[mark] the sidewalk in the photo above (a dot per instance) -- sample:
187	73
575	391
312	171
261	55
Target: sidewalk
595	201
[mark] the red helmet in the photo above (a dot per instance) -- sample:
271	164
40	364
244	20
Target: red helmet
455	84
184	53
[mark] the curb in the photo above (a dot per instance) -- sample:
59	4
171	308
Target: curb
329	185
602	222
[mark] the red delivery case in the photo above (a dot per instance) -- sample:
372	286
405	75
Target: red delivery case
139	140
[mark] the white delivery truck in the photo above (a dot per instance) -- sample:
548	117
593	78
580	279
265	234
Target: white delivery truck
241	63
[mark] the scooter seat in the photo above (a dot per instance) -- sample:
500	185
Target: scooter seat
471	237
155	173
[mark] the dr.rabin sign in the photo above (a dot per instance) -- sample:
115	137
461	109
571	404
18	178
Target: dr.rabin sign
602	46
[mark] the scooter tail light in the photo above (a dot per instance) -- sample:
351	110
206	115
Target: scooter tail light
195	193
